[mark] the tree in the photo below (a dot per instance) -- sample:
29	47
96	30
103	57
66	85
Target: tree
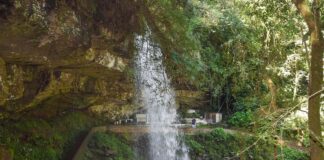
312	19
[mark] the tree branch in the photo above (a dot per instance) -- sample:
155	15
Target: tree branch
306	13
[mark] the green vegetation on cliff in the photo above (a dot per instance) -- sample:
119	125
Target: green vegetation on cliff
38	139
109	146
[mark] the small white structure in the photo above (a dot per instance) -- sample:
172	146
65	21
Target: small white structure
141	119
190	111
213	117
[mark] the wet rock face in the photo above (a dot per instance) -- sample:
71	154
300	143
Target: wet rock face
62	55
58	55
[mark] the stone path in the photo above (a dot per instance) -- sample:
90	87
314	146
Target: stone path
142	129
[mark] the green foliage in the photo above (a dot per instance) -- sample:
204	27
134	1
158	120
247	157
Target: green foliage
239	45
169	23
34	152
246	104
39	139
195	146
219	144
103	142
241	119
220	135
293	154
296	128
216	144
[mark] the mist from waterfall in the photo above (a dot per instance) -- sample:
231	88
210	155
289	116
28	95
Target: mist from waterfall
158	98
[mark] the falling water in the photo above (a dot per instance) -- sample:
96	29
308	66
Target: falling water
158	98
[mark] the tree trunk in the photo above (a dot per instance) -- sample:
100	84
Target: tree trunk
296	84
312	18
273	91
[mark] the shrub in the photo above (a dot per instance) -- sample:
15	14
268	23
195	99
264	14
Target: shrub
219	144
246	103
107	141
39	139
195	147
293	154
241	119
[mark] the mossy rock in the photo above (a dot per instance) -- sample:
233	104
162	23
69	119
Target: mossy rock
6	154
109	146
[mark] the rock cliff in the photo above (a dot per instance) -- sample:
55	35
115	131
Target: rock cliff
57	56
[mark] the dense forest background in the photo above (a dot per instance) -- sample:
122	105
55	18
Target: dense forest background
257	60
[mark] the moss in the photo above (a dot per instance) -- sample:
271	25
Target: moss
109	146
3	83
38	139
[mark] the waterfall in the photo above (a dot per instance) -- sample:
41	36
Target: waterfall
158	98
